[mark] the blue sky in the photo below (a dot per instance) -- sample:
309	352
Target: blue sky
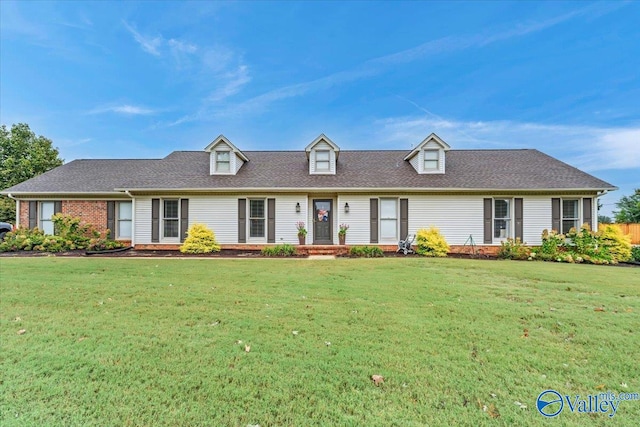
139	80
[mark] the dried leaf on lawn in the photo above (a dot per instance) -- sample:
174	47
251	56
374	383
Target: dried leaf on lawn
377	379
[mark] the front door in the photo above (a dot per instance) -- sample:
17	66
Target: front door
322	223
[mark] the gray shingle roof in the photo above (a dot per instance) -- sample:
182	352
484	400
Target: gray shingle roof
465	169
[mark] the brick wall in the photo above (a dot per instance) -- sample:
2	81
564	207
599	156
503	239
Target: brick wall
92	212
24	213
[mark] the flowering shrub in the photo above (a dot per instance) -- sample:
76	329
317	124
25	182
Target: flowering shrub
71	234
302	232
607	246
514	249
431	243
200	240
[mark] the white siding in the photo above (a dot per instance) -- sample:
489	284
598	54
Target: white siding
286	217
415	162
219	213
536	216
457	217
238	163
357	218
142	220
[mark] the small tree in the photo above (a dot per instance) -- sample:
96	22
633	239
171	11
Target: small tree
629	208
200	240
431	243
23	155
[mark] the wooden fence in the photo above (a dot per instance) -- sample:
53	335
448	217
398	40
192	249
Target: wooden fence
632	229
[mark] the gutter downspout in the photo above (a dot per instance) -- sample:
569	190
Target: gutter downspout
133	216
9	195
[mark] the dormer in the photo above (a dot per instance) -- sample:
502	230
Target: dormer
429	156
224	157
322	154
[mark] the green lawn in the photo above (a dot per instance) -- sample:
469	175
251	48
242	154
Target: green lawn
113	342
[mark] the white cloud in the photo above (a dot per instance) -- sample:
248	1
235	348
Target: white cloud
126	109
148	44
231	83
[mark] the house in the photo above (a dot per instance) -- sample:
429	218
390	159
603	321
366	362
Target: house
255	198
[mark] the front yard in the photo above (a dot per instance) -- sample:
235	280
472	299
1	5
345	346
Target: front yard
164	342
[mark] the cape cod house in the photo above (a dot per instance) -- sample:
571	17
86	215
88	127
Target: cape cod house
255	198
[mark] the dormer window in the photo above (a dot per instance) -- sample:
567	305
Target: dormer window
431	160
429	156
323	159
224	157
322	154
223	161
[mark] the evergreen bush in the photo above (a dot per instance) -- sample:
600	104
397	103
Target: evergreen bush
431	243
200	240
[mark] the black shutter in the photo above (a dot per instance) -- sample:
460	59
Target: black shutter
33	214
586	211
111	219
155	220
518	214
242	220
555	215
488	219
271	220
404	218
184	218
57	207
373	215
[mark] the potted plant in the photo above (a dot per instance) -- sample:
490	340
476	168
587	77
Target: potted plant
342	234
302	232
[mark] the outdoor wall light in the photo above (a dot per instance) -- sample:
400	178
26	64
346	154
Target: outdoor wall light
346	207
298	207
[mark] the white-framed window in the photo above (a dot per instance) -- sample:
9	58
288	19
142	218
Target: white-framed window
170	219
501	218
223	161
256	218
389	219
323	158
124	215
570	215
47	210
431	160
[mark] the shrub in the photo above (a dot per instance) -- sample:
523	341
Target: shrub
73	231
552	245
635	253
431	243
284	250
200	240
617	244
72	235
366	252
513	249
